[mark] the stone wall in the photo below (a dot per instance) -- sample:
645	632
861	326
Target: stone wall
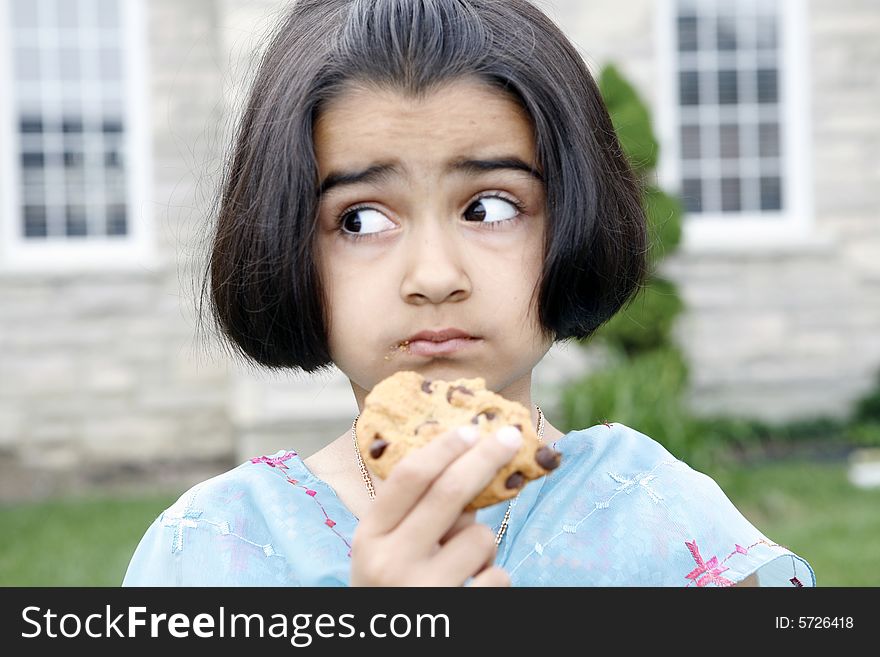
105	375
101	373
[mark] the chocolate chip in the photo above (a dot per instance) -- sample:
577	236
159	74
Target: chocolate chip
378	447
489	415
518	426
461	388
548	458
515	480
426	386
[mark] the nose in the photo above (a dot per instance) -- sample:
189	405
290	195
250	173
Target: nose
435	269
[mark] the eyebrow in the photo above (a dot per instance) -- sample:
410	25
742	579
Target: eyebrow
381	172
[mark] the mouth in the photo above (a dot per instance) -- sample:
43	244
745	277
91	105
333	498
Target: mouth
441	348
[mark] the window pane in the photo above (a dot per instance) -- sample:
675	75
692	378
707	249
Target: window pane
689	88
691	194
72	124
68	64
27	64
75	224
67	12
727	88
729	140
110	64
70	135
30	124
116	222
768	135
767	91
690	142
25	13
32	160
771	193
726	32
35	221
687	33
108	13
730	195
765	33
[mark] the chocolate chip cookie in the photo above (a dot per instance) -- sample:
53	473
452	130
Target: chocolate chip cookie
406	410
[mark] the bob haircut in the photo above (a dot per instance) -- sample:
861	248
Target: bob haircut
265	291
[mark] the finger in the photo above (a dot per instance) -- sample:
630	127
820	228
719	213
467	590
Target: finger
468	552
411	477
494	576
457	485
466	519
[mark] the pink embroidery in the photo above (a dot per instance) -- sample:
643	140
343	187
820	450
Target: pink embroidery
706	572
741	549
274	462
279	462
796	581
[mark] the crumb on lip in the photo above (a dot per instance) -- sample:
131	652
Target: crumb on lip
400	346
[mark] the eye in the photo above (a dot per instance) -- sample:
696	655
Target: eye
492	206
358	221
491	210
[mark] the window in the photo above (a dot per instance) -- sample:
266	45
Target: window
734	118
74	180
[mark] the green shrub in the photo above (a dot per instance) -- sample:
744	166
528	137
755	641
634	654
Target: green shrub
868	407
863	434
642	392
645	324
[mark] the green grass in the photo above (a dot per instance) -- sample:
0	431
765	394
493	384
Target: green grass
77	542
811	508
808	506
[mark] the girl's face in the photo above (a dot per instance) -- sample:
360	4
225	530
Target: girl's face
424	243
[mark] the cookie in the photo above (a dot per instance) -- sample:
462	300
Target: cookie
406	410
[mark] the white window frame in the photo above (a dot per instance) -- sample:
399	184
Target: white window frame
794	225
136	249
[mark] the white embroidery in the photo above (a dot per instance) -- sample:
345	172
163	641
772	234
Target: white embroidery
640	480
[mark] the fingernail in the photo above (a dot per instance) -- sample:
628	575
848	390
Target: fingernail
469	434
509	436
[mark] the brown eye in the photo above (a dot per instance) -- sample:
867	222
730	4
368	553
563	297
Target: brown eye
363	221
499	209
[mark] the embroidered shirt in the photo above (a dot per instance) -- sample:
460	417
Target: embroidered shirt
619	511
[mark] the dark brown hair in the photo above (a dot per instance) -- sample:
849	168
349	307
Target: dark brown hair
265	292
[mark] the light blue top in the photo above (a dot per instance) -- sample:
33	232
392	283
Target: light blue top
619	511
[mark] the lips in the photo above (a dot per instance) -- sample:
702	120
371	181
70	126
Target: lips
438	343
443	348
439	336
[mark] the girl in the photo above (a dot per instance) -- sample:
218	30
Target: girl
444	166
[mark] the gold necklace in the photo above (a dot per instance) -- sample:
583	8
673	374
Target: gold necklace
368	480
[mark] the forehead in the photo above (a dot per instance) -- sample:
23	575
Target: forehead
462	118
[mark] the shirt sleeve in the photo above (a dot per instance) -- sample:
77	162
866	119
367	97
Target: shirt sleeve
622	511
200	542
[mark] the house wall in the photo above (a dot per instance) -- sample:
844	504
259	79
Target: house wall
792	332
779	331
108	371
100	372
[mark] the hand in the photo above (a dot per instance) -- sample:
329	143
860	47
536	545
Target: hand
416	533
